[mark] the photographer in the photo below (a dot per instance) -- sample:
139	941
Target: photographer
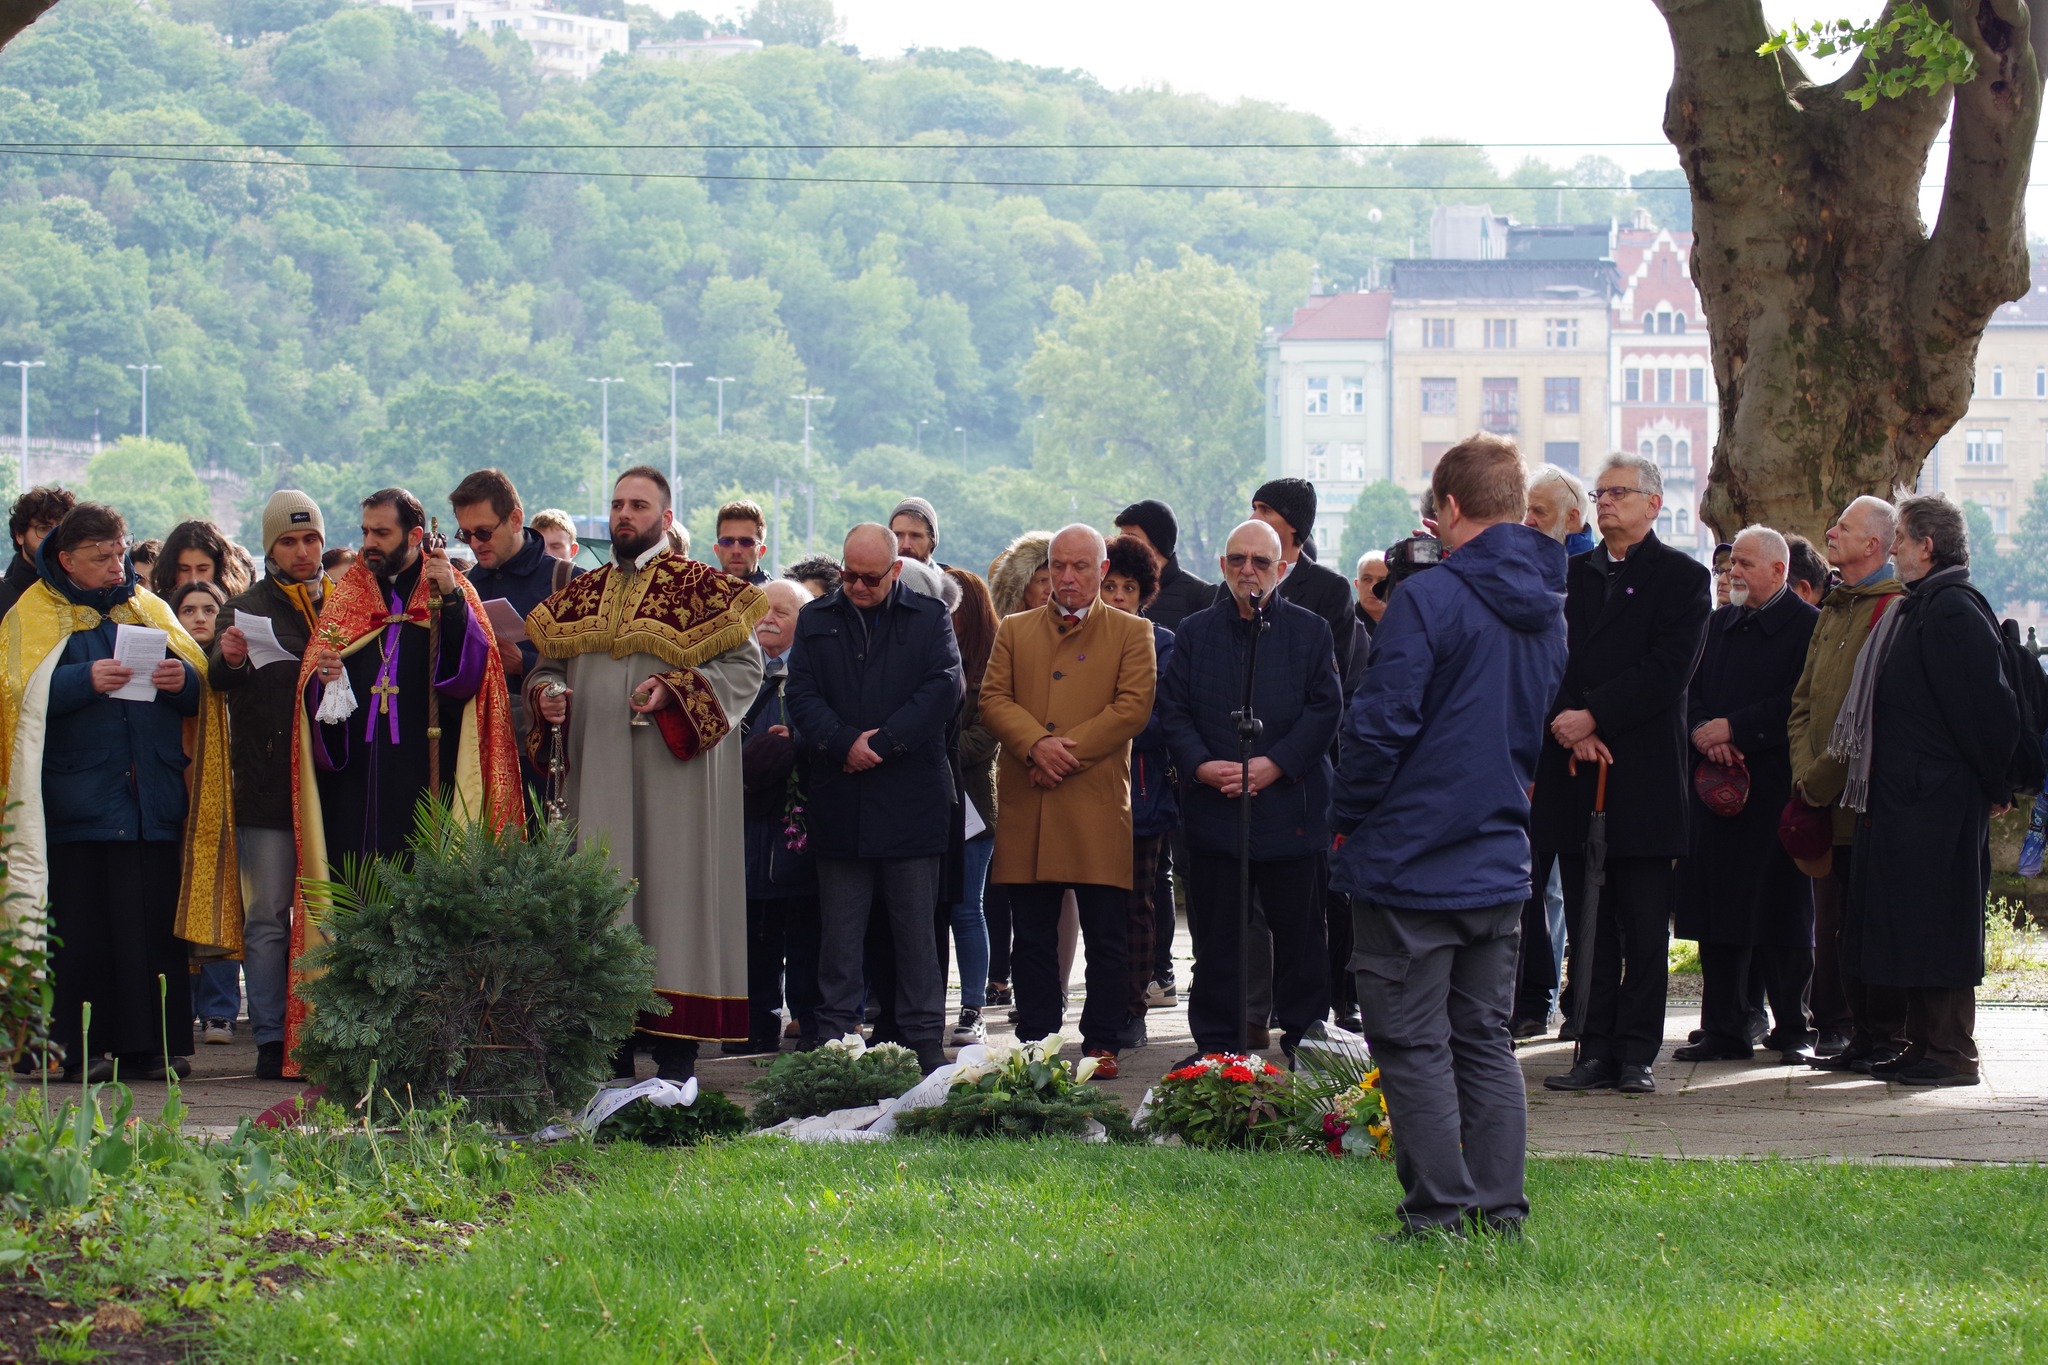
1440	748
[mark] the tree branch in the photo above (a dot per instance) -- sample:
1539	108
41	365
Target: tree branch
1977	255
16	15
1728	112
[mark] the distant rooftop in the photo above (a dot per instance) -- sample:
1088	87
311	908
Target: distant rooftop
1561	242
1525	278
1342	317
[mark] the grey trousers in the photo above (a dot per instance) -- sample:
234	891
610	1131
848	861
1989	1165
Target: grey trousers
909	888
1435	988
270	864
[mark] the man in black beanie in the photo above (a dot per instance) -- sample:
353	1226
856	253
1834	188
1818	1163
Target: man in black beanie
1180	592
1289	507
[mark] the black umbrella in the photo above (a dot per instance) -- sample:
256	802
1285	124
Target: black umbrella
1596	878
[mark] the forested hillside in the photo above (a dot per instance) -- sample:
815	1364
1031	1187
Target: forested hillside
805	219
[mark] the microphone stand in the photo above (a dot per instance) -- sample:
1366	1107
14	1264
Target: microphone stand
1249	728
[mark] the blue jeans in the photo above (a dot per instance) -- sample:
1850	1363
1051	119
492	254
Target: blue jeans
217	992
970	929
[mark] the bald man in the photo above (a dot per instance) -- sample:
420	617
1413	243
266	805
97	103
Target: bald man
1068	687
873	688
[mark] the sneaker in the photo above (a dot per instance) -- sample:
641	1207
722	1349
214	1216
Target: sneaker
1162	995
969	1030
999	993
217	1031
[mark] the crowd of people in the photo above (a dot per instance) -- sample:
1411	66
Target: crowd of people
1468	789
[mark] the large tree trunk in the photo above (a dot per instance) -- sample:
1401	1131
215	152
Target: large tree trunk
16	15
1844	334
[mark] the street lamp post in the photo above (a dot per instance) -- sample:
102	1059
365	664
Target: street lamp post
259	447
961	432
721	382
604	429
24	366
807	399
672	366
144	370
922	423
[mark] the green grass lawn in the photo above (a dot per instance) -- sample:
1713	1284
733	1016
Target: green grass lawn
760	1251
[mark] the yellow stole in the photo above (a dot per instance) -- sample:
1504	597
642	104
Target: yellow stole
31	641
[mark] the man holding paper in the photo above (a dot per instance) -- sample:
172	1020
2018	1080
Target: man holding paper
255	665
127	839
514	573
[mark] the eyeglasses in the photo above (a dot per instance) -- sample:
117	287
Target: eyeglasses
867	580
1613	494
737	542
1259	562
472	537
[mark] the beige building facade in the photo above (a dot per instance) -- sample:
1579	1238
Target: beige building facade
1997	452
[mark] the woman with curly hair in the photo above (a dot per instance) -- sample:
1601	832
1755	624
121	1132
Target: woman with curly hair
196	549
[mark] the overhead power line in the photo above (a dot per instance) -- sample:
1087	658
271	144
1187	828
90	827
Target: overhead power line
860	146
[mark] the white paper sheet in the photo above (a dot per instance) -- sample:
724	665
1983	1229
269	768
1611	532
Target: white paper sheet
263	646
141	648
506	622
975	824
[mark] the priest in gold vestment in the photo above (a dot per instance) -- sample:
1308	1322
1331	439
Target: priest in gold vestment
658	658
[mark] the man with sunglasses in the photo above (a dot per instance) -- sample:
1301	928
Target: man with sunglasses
1636	616
512	562
743	540
1298	701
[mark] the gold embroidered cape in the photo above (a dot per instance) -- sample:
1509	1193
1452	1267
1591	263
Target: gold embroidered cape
32	636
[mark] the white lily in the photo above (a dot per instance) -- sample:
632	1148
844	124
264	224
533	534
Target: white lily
1085	1069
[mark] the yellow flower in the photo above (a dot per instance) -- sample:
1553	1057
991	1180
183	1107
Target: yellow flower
1371	1080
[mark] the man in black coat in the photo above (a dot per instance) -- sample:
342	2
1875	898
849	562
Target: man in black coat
1289	507
872	694
1739	893
1152	524
1928	746
1636	611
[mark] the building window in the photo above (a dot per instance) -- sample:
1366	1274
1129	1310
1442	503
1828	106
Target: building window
1984	446
1649	323
1664	450
1647	449
1560	333
1696	385
1681	453
1439	398
1500	406
1499	333
1351	461
2041	381
1682	520
1318	396
1665	520
1999	524
1998	381
1678	323
1440	332
1663	386
1315	464
1631	386
1663	322
1563	454
1354	396
1560	395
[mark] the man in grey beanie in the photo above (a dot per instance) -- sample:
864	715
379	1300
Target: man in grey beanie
261	696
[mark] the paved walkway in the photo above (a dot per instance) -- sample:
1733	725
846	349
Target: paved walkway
1708	1109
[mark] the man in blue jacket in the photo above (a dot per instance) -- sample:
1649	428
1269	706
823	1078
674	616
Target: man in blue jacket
874	686
1440	749
1296	695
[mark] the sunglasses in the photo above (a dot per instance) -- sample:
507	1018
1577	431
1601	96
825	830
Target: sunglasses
737	542
472	537
1259	562
867	580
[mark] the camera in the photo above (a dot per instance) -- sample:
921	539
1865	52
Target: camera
1405	559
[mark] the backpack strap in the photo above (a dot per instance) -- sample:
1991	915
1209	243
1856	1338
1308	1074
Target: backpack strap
564	571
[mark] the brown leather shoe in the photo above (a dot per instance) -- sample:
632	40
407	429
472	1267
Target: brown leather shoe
1105	1064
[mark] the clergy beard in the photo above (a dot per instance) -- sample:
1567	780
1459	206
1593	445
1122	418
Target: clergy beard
388	569
629	544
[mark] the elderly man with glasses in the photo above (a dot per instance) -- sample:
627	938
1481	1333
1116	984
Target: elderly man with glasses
1298	700
1636	613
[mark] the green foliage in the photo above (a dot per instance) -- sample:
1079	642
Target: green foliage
843	1074
1931	59
1021	1091
1995	572
677	1125
803	23
151	482
1382	515
1226	1101
2028	559
482	965
26	997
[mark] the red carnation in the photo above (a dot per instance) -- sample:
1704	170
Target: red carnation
1238	1072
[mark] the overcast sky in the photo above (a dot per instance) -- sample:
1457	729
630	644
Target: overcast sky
1483	71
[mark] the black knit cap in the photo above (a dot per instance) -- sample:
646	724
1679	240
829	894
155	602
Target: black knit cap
1294	500
1155	519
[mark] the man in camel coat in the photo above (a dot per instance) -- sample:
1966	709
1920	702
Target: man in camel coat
1068	687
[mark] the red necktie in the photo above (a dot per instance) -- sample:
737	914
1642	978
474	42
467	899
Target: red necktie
1070	620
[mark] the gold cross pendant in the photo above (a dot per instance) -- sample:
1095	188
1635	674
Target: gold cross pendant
384	693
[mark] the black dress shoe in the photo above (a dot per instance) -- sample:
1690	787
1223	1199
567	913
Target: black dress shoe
1636	1080
1710	1050
1568	1031
154	1068
675	1059
1698	1035
1521	1026
98	1072
1843	1060
1924	1072
930	1057
270	1061
1830	1043
1587	1075
1885	1068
